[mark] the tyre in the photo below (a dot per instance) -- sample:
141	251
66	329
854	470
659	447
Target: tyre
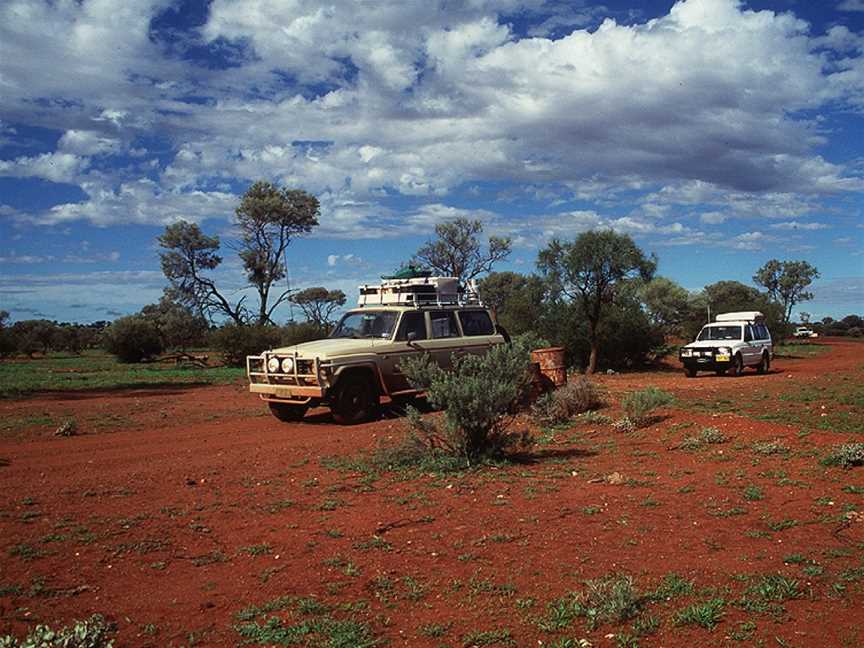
355	401
764	364
690	373
737	367
288	412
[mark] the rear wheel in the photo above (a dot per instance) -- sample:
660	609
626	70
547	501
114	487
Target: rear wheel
288	412
764	364
355	401
737	367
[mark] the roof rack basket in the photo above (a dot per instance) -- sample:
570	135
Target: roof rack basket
419	291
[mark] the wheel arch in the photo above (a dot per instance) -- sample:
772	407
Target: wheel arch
368	369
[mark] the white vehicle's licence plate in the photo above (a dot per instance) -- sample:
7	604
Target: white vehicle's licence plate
722	358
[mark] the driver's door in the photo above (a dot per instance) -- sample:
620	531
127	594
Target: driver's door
413	325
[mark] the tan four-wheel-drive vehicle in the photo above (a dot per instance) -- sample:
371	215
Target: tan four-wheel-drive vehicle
355	366
732	342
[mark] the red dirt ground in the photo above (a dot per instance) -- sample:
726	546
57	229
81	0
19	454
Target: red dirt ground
153	513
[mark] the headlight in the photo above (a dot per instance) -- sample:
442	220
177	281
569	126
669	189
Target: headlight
287	365
273	365
723	350
686	353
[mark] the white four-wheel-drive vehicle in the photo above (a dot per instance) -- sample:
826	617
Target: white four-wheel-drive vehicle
805	332
734	341
359	362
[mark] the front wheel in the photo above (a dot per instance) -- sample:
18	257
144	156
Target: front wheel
288	412
355	401
764	364
737	367
690	373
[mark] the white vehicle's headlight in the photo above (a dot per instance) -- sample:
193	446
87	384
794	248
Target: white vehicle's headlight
273	365
724	350
287	365
686	352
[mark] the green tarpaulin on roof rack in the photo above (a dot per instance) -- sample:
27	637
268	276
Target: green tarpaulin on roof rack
409	272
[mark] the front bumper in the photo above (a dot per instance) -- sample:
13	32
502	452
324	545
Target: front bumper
706	360
302	385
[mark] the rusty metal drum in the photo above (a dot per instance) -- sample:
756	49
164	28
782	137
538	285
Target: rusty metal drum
551	363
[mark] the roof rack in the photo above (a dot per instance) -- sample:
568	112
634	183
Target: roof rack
419	291
740	316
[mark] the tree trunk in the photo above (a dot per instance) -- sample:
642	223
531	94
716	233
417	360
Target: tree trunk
592	338
592	359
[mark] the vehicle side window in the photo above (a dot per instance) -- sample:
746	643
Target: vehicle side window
444	324
748	335
476	323
767	333
412	323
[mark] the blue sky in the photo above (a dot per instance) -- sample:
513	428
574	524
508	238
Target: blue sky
719	134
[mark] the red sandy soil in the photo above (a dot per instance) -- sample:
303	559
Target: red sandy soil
147	516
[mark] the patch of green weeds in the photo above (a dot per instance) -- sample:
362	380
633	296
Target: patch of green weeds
375	542
706	614
782	525
672	586
94	632
502	637
753	493
435	630
256	550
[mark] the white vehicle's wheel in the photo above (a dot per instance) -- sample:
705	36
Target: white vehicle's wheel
737	367
764	364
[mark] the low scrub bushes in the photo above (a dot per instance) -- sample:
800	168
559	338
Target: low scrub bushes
479	397
132	339
845	456
235	342
92	633
577	396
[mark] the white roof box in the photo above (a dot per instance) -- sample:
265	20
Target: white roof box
740	316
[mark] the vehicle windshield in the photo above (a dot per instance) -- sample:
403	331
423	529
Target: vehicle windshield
368	324
720	333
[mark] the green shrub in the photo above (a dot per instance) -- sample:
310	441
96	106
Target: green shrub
577	396
708	436
610	599
639	405
235	342
845	456
92	633
479	396
132	339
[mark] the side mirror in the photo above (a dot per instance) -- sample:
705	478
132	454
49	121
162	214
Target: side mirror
412	335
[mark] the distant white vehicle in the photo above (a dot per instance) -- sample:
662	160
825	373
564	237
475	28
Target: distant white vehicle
732	342
805	332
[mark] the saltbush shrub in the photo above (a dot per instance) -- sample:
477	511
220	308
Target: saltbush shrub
845	456
577	396
91	633
132	339
479	397
639	405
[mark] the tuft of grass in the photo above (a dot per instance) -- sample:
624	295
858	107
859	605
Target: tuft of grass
502	637
845	456
639	405
775	587
672	586
575	397
705	615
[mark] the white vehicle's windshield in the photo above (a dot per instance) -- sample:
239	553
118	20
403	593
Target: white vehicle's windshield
368	324
720	333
